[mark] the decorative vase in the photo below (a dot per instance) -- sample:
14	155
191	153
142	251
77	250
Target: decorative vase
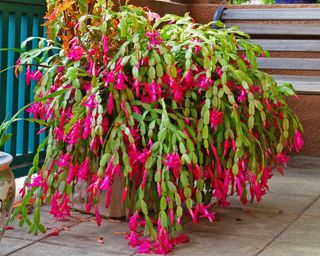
7	190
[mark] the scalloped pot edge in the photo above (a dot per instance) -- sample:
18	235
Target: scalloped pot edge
5	161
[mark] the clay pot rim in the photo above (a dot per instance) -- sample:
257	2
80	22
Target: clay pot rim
5	160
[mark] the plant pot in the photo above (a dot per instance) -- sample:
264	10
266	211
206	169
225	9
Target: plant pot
7	190
116	208
295	1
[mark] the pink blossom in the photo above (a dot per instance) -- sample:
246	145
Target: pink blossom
38	110
76	51
297	141
84	169
120	83
98	215
243	96
154	38
90	102
110	104
281	158
216	118
60	206
133	239
180	239
176	90
202	211
37	75
87	126
28	75
153	92
172	161
163	244
64	160
153	16
134	221
105	45
75	133
144	247
71	173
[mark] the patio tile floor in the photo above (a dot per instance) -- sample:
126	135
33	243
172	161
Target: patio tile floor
286	222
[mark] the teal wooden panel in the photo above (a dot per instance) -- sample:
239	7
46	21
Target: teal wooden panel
19	19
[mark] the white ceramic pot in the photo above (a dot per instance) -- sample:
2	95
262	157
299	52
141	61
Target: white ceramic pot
7	190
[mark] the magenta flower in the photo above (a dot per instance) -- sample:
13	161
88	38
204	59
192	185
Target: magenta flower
281	158
75	133
76	51
37	75
121	81
243	96
98	215
216	118
84	169
110	104
154	38
90	102
176	90
28	75
298	141
172	161
60	206
87	126
152	16
144	247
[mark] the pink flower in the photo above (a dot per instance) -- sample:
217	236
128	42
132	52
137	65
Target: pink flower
75	133
154	38
163	244
281	158
64	160
87	126
153	92
110	104
71	173
37	75
176	90
84	169
180	239
90	102
152	16
172	161
297	141
60	207
134	221
144	247
76	51
202	210
105	45
133	239
216	118
28	75
243	96
98	215
120	83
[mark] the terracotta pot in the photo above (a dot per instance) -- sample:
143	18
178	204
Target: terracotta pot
7	190
116	208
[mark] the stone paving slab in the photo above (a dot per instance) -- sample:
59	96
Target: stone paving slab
8	244
286	222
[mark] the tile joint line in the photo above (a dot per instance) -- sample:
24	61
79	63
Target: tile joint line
289	225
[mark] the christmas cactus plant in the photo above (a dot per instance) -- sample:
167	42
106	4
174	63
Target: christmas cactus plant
178	109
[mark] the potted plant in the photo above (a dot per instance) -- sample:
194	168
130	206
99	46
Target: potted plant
178	110
7	183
